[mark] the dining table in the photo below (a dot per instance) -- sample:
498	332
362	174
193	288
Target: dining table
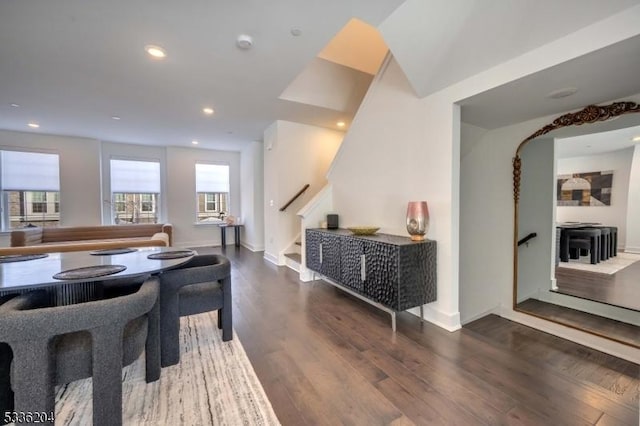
70	276
74	277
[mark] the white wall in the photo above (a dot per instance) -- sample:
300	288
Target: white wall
252	196
632	243
83	191
387	160
181	190
536	214
486	206
616	213
80	190
295	154
328	85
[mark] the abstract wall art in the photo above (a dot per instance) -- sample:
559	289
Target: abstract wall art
585	189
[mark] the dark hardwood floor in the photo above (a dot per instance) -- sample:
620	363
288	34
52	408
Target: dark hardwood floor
619	289
620	331
326	358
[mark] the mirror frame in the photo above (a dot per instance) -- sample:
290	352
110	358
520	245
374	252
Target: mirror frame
588	115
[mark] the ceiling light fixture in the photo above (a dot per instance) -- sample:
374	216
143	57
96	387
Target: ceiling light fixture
14	105
636	138
33	125
155	51
244	41
115	117
341	124
296	32
207	110
562	93
195	142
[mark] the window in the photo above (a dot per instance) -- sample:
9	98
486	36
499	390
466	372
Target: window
147	203
212	192
135	191
30	184
119	202
38	202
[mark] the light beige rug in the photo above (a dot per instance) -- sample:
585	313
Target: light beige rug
609	267
214	384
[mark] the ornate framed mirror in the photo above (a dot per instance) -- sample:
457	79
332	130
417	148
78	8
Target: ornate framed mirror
540	288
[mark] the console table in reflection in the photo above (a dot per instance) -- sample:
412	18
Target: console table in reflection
223	233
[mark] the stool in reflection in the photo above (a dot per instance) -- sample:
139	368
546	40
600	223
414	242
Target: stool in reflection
576	240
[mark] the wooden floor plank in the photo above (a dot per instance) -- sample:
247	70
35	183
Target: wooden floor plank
329	359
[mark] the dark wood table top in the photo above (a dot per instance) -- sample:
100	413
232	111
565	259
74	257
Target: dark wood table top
39	272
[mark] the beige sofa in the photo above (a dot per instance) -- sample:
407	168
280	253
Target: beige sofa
78	238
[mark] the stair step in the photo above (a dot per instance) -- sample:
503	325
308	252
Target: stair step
296	257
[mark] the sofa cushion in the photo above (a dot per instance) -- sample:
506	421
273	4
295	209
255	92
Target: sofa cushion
156	241
81	233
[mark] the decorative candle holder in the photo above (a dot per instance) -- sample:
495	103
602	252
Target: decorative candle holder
417	219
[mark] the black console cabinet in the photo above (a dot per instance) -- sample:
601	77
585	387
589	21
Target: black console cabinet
389	271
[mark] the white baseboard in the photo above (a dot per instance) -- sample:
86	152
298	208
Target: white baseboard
450	322
190	244
495	310
306	275
634	250
271	258
251	246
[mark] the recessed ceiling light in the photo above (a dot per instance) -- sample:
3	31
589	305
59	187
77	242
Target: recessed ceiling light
341	124
194	142
115	117
295	31
562	93
636	139
244	41
155	51
207	110
14	105
33	125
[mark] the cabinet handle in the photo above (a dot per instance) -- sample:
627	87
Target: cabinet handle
363	267
320	252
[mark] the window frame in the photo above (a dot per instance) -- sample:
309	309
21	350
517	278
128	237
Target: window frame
50	205
118	208
223	207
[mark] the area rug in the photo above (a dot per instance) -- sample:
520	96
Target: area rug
609	267
214	384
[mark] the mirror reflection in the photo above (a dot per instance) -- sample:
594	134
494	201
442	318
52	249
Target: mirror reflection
578	228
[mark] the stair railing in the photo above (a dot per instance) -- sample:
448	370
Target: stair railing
295	197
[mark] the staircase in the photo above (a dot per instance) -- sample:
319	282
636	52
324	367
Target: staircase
294	259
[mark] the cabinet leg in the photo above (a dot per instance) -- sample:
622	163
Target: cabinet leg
393	321
422	313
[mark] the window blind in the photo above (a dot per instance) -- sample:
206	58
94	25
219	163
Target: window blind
30	171
135	176
212	178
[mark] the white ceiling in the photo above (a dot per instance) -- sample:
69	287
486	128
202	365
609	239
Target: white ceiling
72	64
603	75
440	42
597	143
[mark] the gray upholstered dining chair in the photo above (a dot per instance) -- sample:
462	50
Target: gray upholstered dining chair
202	284
60	344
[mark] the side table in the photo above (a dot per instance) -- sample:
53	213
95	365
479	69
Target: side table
223	233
